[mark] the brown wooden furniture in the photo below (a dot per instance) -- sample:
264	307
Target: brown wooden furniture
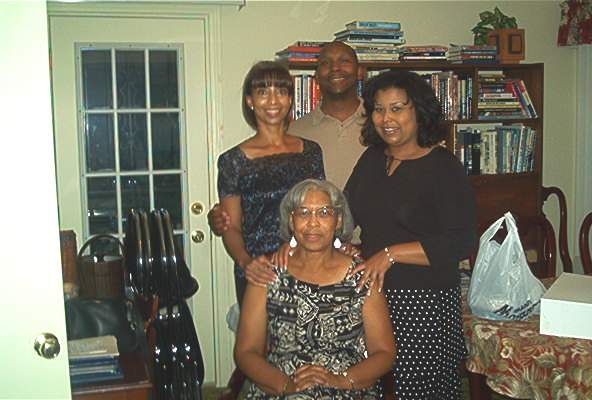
585	244
563	246
135	385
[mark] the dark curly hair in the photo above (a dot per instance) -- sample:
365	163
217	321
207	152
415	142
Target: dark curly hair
265	74
427	108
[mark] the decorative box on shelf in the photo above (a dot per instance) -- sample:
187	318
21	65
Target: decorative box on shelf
566	308
511	47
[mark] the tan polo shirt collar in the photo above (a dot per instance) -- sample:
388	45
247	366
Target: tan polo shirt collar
318	116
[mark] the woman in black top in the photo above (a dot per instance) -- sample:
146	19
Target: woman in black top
417	212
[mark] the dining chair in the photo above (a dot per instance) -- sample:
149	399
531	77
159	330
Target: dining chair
585	244
547	191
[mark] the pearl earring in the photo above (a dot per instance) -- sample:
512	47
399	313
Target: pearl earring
337	243
293	242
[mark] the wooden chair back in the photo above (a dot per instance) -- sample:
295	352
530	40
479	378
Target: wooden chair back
563	246
585	244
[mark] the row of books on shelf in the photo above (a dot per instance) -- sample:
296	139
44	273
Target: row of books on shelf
499	97
503	98
495	149
94	359
307	93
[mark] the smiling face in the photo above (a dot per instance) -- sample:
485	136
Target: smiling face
337	70
315	221
394	118
270	104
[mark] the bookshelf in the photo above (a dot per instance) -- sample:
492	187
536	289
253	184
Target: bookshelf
518	192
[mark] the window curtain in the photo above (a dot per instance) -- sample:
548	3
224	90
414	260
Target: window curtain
576	23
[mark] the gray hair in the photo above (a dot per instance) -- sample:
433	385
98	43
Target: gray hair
295	196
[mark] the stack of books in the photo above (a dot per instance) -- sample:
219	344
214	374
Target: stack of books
423	53
495	148
301	52
373	41
503	98
93	360
472	54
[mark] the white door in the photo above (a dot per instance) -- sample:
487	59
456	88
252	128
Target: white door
156	153
31	282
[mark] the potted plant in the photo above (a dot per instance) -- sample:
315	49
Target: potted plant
496	28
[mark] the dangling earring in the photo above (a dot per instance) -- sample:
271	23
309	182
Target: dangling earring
293	242
337	243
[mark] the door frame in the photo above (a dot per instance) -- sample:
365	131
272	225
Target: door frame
222	279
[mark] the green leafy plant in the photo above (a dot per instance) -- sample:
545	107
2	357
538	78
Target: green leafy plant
489	22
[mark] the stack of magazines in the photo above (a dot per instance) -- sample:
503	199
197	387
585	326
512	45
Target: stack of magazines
373	41
94	359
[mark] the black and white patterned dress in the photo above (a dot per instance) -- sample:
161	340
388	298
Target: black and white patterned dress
320	325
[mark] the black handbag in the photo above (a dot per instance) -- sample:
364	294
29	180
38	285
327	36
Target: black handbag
90	317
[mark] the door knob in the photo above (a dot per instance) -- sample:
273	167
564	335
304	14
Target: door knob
198	236
197	208
47	345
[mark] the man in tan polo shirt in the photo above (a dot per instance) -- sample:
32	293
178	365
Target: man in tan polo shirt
335	125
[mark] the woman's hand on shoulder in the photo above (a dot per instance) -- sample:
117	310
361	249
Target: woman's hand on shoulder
259	271
373	269
349	250
280	257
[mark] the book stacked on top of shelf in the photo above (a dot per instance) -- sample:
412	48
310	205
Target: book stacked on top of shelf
486	149
301	51
503	98
94	359
373	41
423	53
472	54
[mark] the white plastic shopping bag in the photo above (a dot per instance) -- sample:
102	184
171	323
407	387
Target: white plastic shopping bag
502	285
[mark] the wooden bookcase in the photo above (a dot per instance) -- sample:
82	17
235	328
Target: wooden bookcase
519	193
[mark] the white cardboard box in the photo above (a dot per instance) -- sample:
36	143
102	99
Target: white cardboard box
566	307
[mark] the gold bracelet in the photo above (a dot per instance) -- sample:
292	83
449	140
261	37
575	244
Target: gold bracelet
388	255
283	391
349	378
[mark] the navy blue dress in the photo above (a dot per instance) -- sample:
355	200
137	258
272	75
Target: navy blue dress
261	184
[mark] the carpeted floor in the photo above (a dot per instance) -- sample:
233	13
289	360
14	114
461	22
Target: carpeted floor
212	393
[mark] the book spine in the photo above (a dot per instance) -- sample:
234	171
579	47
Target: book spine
530	105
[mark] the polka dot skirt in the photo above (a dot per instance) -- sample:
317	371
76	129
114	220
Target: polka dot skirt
430	343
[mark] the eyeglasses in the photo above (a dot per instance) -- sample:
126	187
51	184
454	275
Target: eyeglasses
321	212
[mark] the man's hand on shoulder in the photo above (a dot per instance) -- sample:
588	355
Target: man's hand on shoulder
218	220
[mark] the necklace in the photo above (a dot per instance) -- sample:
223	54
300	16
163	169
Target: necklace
389	162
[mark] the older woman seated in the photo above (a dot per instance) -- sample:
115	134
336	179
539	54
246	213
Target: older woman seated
311	334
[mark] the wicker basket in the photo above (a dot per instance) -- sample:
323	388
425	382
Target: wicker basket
101	275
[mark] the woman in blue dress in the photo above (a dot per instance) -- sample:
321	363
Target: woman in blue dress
255	175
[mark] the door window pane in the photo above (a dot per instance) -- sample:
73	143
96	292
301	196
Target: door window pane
133	142
102	205
131	135
135	193
131	79
163	79
167	195
99	144
165	141
96	79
